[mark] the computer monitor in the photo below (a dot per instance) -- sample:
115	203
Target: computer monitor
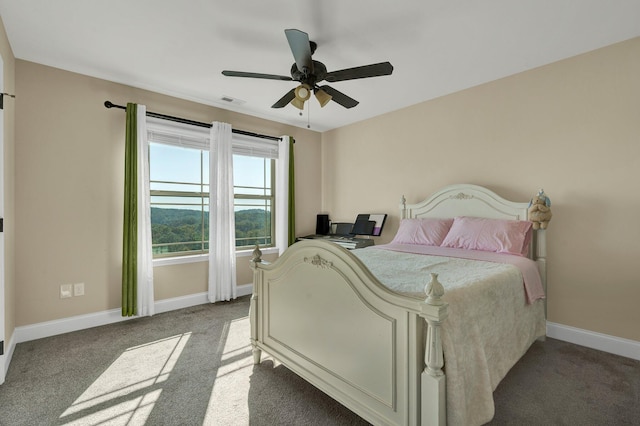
369	224
363	226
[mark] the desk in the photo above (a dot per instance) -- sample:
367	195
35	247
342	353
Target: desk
346	242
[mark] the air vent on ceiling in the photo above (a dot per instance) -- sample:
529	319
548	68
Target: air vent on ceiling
231	100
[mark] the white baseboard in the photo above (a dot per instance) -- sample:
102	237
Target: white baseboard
167	305
81	322
602	342
66	325
244	290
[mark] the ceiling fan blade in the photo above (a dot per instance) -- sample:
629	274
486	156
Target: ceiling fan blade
365	71
340	97
256	75
284	101
301	49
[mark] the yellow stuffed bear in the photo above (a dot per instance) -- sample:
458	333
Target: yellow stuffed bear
540	210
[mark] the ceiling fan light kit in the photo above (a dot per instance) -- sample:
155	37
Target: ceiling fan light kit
309	72
303	92
297	103
322	97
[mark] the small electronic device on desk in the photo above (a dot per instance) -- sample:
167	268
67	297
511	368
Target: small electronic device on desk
346	234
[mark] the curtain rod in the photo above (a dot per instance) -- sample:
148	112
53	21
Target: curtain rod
109	104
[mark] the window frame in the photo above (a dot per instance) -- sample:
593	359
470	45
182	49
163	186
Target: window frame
191	137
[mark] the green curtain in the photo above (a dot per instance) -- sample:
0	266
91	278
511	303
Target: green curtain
129	240
292	191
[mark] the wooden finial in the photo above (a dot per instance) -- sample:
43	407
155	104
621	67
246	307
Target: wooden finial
434	291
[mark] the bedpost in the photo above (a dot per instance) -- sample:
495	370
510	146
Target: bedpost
433	381
256	258
403	208
539	214
541	260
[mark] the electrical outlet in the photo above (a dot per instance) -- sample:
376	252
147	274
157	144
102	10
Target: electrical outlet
78	289
65	291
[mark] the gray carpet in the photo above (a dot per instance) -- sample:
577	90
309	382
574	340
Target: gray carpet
194	367
558	383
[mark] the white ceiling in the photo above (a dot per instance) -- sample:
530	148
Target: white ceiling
437	47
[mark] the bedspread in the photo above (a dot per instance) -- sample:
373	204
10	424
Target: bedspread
490	324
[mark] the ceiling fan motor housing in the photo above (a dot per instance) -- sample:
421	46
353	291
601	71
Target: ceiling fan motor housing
311	77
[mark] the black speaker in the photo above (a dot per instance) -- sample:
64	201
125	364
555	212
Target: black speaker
322	224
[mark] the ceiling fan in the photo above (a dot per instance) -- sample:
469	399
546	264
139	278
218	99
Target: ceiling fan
309	73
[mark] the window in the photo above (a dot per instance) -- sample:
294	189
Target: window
253	184
179	189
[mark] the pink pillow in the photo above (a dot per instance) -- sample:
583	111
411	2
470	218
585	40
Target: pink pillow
497	235
427	231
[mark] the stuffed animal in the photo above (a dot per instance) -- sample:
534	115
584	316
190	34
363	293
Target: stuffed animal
540	210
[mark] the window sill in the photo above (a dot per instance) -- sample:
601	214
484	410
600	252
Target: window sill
178	260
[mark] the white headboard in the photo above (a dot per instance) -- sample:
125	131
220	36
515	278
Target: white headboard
477	201
466	200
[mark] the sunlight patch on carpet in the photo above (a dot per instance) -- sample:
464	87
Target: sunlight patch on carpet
228	402
126	392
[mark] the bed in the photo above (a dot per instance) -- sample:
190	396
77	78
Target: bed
344	322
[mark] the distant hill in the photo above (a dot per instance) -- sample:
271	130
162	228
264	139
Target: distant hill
175	217
170	225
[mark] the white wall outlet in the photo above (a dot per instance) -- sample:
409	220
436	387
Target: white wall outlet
78	289
65	291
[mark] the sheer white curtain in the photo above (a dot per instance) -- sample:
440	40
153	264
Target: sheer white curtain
282	196
222	228
145	301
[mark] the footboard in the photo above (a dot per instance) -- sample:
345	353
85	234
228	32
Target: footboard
320	312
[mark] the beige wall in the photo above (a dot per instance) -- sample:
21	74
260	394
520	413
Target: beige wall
69	189
572	128
9	195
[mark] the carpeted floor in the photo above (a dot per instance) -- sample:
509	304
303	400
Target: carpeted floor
559	383
194	367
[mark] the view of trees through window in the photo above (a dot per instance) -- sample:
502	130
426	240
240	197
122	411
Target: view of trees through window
185	230
179	183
